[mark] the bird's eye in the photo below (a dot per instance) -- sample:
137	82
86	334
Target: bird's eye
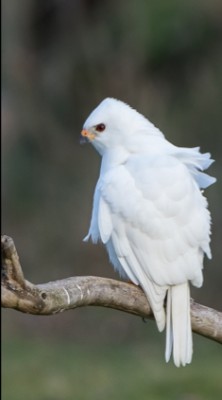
100	127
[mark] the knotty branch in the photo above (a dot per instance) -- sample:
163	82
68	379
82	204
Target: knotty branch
79	291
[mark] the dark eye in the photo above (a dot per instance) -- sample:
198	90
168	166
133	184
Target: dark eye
100	127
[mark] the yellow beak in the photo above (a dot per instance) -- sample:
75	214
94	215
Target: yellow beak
87	134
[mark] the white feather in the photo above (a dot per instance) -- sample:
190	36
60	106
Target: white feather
104	221
178	325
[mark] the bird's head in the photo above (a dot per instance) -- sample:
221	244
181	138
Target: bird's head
111	124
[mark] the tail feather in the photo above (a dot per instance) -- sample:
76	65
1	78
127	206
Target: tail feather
169	328
178	325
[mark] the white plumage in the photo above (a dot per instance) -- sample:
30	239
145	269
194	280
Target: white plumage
151	215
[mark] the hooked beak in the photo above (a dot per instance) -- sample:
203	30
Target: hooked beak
86	136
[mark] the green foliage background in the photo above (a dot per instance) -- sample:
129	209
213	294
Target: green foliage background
59	60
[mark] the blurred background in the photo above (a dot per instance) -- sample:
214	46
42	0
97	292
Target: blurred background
60	58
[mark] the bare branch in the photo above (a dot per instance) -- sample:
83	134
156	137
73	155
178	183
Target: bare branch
79	291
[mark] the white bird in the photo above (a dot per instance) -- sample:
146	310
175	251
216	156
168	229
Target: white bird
150	212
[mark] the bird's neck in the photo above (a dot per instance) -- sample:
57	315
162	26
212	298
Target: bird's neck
113	157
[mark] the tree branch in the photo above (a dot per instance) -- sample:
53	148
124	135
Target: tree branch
79	291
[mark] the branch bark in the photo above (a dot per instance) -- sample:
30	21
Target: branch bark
57	296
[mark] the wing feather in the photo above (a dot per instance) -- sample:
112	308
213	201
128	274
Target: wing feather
154	221
104	220
160	219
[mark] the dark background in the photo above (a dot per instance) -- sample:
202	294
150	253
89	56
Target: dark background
60	58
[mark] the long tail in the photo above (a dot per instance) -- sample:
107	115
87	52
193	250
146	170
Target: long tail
178	325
